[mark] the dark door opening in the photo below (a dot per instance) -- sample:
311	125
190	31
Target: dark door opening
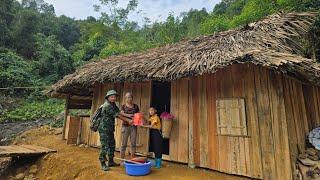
160	99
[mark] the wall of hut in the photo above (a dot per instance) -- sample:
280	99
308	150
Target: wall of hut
271	117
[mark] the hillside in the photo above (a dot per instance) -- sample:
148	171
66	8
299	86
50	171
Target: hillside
37	47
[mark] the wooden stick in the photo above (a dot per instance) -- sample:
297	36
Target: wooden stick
134	162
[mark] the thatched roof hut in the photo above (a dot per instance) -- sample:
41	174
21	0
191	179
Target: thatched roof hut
273	42
243	100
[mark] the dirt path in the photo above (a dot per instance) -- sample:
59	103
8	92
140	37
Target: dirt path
73	162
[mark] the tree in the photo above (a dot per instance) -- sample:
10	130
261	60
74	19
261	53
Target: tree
191	21
53	61
27	24
116	16
68	32
7	13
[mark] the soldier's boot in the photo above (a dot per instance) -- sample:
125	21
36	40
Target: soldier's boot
104	166
112	163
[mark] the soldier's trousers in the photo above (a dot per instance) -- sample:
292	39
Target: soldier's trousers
107	145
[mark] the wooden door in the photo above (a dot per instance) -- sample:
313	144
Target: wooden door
73	129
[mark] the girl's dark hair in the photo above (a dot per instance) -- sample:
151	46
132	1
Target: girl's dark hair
153	108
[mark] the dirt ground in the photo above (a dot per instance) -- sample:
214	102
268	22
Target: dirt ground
74	162
11	129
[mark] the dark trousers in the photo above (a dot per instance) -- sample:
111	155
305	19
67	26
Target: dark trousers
156	140
107	145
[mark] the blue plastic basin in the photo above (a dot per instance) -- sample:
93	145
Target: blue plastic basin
137	169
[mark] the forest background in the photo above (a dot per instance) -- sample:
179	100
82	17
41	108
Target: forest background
37	47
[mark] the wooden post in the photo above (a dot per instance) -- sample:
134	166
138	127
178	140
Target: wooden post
66	112
191	163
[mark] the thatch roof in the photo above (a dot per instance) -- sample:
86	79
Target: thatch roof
273	42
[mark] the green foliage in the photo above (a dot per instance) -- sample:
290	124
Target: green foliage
34	110
26	25
14	71
38	48
216	24
7	13
53	61
68	31
253	11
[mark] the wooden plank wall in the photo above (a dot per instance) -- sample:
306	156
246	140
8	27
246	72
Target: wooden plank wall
142	97
264	153
138	89
280	112
73	129
203	147
84	130
99	92
303	111
179	136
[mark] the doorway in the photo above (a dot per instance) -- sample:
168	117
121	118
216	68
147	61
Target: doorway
160	99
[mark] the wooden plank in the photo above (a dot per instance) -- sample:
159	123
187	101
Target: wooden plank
98	99
203	122
279	126
265	124
23	150
73	130
66	113
94	107
36	148
174	136
296	116
223	144
183	120
85	130
212	122
316	101
292	133
145	101
191	162
66	129
310	106
302	108
254	165
195	107
317	92
235	115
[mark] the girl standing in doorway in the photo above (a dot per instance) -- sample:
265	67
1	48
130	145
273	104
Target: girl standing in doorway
155	135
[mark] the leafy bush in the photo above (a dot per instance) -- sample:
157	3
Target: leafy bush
14	71
34	110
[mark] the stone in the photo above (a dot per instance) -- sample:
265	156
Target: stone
19	176
81	145
58	131
33	169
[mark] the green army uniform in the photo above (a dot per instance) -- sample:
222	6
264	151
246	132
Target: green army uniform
106	131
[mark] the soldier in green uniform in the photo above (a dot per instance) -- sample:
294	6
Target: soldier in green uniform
110	111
